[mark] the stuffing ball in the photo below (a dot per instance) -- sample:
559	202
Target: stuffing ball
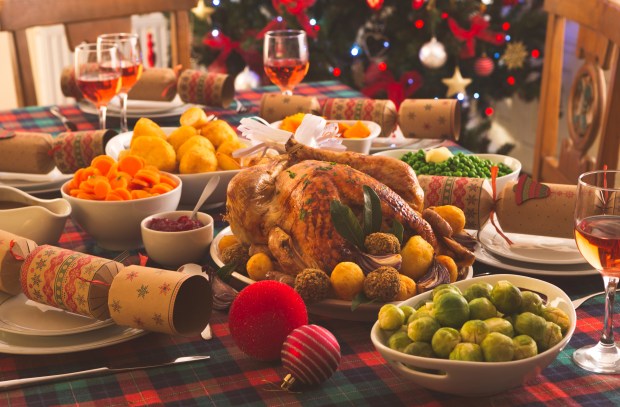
379	244
313	285
382	284
236	253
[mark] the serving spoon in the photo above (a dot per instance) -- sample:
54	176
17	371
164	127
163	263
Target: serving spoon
206	193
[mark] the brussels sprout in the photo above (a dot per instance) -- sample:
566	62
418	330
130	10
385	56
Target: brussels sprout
527	323
423	349
422	329
419	314
497	347
500	325
531	302
474	331
437	291
391	317
557	316
399	340
525	347
467	351
481	308
478	290
506	297
407	310
451	309
444	341
552	335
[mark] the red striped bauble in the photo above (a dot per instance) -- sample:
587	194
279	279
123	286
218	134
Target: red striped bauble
484	66
311	354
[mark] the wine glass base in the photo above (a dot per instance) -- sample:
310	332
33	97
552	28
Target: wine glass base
598	358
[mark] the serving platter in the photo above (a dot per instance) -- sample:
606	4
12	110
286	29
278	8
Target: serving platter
140	108
333	308
35	183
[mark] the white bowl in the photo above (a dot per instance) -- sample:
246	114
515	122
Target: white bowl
177	248
41	220
511	162
358	145
193	184
115	225
477	378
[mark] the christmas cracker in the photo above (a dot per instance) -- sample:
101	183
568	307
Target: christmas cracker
160	300
13	251
157	84
430	118
66	279
75	150
549	214
382	112
25	152
276	106
206	88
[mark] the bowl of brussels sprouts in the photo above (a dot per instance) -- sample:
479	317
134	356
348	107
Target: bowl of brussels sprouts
441	161
476	337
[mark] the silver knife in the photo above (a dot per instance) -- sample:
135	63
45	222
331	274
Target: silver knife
29	381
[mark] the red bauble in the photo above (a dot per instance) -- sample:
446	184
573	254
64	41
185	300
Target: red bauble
484	66
311	354
262	316
417	4
375	4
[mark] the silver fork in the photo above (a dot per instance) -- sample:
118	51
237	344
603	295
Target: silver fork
579	301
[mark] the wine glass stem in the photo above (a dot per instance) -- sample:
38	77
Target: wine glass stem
607	336
123	97
102	113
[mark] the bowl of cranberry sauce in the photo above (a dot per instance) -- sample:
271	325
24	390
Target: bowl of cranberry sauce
174	238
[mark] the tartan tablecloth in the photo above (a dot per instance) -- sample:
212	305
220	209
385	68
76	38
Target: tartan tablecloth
231	378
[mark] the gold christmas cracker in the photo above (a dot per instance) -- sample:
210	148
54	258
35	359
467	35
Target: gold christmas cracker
68	86
551	215
75	150
382	112
276	106
158	84
25	152
206	88
69	280
160	300
13	251
430	118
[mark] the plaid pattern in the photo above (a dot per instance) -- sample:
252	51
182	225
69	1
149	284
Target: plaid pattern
231	378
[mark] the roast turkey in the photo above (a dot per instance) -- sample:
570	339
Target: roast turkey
285	203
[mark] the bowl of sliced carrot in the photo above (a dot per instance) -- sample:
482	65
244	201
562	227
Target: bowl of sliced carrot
110	198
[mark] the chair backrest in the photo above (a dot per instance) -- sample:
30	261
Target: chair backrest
84	20
593	107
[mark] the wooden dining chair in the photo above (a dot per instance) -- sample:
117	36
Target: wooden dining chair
593	106
84	20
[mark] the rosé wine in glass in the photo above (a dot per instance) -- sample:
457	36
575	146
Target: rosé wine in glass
285	58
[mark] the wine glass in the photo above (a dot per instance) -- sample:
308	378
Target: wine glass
98	75
285	57
131	66
597	233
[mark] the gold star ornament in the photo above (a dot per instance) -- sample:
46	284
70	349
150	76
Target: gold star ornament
514	56
456	84
203	12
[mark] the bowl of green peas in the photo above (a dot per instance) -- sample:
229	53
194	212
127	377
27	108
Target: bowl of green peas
459	164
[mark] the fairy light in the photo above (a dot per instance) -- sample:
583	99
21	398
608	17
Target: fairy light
419	24
496	55
355	51
489	111
279	19
506	26
444	15
336	72
460	96
535	53
382	66
476	95
312	21
511	80
386	44
215	33
508	38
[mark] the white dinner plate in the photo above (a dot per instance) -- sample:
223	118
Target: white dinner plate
566	270
145	107
36	345
193	184
35	183
22	316
332	308
171	111
531	248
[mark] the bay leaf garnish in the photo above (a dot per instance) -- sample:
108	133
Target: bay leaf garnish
225	272
360	299
397	230
372	211
346	223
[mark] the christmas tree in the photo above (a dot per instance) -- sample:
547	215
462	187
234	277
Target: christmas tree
478	51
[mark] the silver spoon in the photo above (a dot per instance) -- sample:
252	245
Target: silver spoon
577	303
69	125
206	193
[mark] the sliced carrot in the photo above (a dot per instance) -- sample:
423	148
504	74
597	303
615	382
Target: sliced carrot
113	171
163	178
84	195
119	182
123	193
86	187
161	188
149	176
79	175
101	188
138	183
113	196
139	193
74	192
131	164
103	163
